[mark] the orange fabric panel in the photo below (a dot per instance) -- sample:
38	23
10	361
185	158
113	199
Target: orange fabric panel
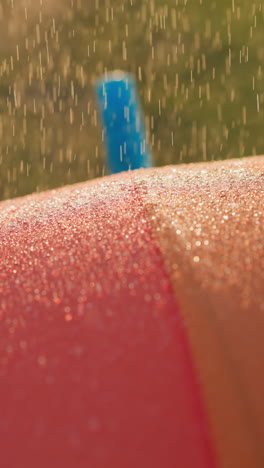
208	220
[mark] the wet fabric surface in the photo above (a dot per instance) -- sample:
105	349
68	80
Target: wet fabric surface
131	321
95	365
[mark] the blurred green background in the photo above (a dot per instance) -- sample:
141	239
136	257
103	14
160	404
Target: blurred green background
198	63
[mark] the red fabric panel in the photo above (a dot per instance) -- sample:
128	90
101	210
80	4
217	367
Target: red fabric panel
95	370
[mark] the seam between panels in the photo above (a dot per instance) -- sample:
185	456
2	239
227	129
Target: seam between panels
208	440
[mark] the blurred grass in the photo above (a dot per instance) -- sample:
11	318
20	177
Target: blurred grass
199	66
